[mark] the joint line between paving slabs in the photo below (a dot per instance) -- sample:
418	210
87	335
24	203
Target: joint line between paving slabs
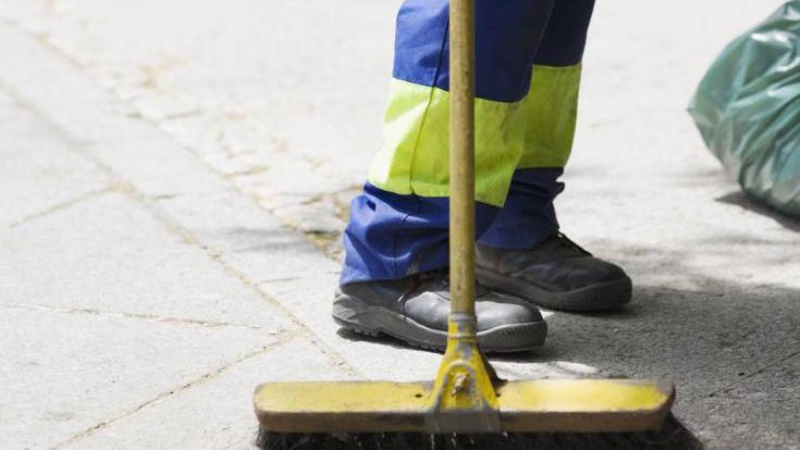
283	339
127	315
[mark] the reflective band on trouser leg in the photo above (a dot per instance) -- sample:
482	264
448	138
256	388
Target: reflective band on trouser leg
405	203
551	111
528	216
414	159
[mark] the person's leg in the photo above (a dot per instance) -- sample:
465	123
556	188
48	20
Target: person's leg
523	253
528	217
398	227
397	237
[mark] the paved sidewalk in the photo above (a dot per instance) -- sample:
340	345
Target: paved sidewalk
176	174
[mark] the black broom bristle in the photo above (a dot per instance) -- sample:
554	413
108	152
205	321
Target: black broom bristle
673	435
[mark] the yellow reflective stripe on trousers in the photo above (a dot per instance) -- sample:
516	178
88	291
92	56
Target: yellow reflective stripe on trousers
414	159
551	109
535	132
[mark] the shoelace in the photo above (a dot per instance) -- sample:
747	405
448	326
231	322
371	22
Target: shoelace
442	274
563	239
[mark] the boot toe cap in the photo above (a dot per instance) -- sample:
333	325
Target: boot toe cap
503	310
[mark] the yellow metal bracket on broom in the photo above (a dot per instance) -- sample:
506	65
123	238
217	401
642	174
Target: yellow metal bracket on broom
463	396
466	396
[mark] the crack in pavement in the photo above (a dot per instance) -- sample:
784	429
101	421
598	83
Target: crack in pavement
62	206
282	340
139	316
759	371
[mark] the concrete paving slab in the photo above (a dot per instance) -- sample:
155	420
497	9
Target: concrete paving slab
247	238
216	414
110	254
178	172
55	86
290	271
117	138
63	373
38	172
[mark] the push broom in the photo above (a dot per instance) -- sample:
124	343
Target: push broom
467	405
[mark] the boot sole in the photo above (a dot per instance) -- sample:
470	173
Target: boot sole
597	297
368	320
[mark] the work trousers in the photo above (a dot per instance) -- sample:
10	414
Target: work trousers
528	69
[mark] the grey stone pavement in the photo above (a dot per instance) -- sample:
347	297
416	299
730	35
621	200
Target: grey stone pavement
174	179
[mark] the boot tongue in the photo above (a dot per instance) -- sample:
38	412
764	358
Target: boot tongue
437	281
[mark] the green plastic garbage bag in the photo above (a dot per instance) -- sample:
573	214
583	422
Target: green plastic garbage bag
748	109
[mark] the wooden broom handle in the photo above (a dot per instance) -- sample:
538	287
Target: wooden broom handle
462	156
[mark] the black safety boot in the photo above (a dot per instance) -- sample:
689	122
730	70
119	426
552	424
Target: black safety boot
415	309
556	274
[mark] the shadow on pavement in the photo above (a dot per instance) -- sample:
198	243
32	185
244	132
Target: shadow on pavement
739	198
